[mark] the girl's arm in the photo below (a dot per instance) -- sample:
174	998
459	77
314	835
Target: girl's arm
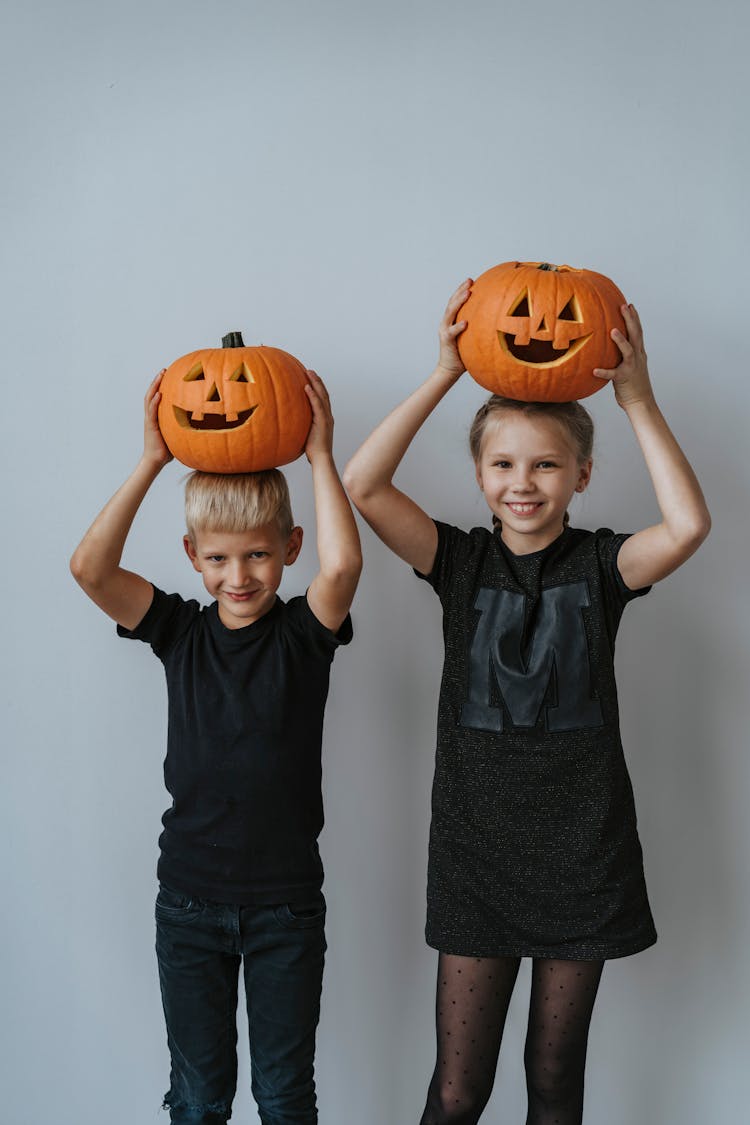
401	524
655	552
95	564
332	590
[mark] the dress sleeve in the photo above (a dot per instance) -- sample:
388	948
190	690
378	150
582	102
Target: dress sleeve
166	620
608	544
453	551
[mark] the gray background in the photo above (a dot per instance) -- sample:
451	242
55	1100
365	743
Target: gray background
321	176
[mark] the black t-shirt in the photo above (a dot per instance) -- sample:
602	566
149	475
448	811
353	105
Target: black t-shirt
534	847
243	763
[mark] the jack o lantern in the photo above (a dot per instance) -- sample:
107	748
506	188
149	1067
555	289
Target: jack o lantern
235	409
535	331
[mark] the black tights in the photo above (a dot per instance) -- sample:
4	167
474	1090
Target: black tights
473	995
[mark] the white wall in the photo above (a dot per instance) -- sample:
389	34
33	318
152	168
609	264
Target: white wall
321	175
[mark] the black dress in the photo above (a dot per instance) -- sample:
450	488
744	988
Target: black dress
534	848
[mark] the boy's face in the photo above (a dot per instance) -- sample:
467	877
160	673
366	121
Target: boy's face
242	569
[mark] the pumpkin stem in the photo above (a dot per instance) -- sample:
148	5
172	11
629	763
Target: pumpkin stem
232	340
547	266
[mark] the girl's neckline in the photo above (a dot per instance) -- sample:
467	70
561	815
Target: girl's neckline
497	532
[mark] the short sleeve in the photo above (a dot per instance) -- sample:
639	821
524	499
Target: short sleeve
453	552
608	544
301	620
168	617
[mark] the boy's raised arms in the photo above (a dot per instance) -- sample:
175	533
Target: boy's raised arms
95	564
331	592
654	552
394	517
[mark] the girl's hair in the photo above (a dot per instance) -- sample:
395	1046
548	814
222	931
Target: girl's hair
571	415
237	502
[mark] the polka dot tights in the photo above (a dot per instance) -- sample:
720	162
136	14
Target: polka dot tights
473	995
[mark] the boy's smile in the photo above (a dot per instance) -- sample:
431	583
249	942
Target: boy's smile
242	570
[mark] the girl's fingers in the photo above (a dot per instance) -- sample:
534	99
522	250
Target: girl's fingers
603	374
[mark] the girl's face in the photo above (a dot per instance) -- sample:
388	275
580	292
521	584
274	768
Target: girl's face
528	471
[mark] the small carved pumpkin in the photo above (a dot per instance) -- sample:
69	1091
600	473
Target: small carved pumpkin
235	409
535	332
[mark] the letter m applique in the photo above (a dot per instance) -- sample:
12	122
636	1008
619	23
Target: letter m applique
559	649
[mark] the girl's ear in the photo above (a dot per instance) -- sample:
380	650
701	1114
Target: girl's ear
478	475
584	475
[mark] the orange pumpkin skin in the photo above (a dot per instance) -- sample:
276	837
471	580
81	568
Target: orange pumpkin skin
535	331
235	409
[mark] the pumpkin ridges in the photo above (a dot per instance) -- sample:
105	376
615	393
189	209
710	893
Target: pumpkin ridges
493	300
278	378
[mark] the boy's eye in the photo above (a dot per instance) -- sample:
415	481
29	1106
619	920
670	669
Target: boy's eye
502	464
216	558
258	554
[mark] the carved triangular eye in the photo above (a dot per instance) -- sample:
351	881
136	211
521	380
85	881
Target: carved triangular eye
521	307
194	373
241	375
571	311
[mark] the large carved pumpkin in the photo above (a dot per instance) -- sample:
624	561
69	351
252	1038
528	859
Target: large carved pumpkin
235	409
536	331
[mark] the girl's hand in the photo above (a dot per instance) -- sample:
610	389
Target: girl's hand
320	438
630	378
154	447
449	359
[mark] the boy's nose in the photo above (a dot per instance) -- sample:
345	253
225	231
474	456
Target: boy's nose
238	575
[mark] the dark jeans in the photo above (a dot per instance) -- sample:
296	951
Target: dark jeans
199	946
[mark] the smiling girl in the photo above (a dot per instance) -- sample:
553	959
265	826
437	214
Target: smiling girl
534	849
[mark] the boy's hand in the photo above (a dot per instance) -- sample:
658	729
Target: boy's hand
449	359
320	438
154	447
630	378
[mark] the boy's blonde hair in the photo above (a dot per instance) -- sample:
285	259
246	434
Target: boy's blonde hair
237	502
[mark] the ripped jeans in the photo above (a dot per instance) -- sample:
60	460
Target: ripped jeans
200	946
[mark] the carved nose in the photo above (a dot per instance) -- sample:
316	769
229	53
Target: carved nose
213	394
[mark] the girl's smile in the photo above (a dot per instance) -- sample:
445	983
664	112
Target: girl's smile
528	471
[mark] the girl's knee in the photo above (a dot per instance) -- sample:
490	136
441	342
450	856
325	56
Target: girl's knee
552	1079
452	1103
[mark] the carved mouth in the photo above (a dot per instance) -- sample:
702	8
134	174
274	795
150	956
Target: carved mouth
538	353
194	420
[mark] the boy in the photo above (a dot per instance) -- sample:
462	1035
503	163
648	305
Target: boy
239	869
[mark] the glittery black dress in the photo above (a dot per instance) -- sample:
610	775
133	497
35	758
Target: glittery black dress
534	849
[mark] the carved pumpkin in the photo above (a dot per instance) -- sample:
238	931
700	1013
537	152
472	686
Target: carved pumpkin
535	331
235	409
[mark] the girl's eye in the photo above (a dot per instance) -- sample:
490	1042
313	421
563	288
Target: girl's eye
502	464
547	465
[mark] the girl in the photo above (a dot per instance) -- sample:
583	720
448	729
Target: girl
533	845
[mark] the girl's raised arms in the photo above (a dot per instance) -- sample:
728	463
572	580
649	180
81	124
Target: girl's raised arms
394	517
655	552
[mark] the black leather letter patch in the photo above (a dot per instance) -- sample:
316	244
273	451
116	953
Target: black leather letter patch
558	648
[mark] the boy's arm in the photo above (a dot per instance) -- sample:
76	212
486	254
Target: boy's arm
655	552
395	517
331	592
95	564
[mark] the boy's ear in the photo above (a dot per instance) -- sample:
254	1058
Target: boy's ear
191	552
293	546
584	475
